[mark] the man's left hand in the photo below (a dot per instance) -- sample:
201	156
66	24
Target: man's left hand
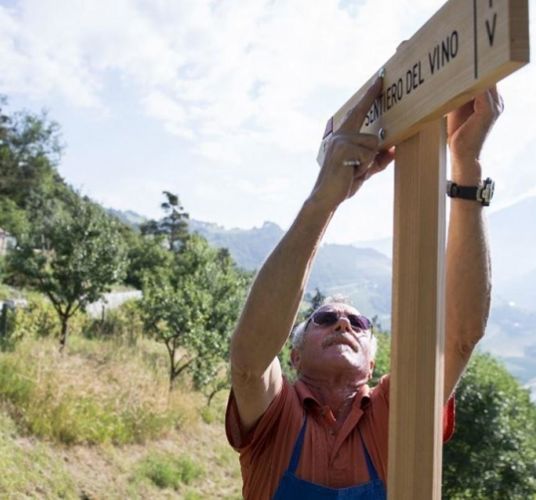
469	125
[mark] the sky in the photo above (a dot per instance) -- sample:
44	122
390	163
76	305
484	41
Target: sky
225	102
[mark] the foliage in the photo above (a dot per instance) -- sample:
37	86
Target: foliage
12	218
146	256
2	269
91	400
173	226
193	308
166	470
83	256
38	319
31	190
493	452
383	356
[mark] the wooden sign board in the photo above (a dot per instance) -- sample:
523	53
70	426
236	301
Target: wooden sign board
467	46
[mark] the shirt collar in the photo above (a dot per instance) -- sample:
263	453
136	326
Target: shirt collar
310	402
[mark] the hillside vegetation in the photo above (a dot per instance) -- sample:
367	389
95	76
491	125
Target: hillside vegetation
99	422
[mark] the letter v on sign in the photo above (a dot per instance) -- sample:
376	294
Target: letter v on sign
493	42
490	28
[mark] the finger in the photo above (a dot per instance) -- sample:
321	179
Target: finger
383	158
487	107
350	154
356	116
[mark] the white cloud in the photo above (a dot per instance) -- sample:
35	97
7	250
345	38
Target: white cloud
226	65
248	86
172	113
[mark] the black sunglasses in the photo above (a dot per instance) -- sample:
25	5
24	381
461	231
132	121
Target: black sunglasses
329	318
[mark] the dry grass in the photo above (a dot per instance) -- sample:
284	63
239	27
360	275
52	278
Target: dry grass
49	399
99	392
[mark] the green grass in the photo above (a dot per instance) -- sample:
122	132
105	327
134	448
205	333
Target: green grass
30	470
168	471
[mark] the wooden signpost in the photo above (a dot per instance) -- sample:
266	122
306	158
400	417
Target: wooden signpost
467	46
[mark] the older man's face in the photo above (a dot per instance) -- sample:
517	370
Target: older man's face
335	348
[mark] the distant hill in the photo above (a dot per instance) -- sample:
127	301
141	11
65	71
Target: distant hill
128	217
513	243
363	275
248	247
382	245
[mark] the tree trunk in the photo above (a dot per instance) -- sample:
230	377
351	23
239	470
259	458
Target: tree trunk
64	331
171	352
212	394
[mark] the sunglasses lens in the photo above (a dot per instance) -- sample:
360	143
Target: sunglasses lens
325	318
359	322
328	318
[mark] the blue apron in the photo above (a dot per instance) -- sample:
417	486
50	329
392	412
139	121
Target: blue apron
292	488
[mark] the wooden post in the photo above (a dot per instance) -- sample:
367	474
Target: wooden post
414	470
465	47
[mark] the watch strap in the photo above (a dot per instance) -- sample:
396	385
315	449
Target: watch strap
464	192
483	194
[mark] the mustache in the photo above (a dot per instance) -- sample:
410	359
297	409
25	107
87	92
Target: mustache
340	338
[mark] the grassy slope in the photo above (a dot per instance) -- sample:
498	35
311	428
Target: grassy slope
80	453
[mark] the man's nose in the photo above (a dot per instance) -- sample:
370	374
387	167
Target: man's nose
343	324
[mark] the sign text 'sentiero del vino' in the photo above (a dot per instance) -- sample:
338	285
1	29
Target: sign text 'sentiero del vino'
465	47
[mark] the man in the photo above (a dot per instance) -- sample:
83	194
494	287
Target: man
326	435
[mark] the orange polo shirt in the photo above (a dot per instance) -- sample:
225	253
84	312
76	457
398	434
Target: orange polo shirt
328	458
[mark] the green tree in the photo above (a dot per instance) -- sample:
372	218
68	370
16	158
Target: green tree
13	219
146	256
493	452
31	190
192	308
173	225
30	149
82	255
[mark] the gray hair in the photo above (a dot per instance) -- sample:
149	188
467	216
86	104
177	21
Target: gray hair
298	333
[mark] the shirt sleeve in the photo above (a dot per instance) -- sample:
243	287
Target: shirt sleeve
449	409
241	440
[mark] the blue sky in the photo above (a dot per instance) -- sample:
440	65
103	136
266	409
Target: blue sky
225	102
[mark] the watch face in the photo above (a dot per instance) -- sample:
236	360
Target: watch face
486	191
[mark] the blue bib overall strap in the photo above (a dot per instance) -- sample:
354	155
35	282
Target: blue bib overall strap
291	487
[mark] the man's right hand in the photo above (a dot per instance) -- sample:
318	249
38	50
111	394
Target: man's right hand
336	181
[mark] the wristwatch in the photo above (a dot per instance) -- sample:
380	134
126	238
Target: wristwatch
482	193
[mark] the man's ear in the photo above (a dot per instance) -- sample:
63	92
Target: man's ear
295	357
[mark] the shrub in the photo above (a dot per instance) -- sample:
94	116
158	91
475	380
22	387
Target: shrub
37	320
166	470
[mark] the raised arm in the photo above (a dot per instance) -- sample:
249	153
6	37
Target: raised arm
468	266
275	295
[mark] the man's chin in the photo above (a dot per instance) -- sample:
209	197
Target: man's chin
342	346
